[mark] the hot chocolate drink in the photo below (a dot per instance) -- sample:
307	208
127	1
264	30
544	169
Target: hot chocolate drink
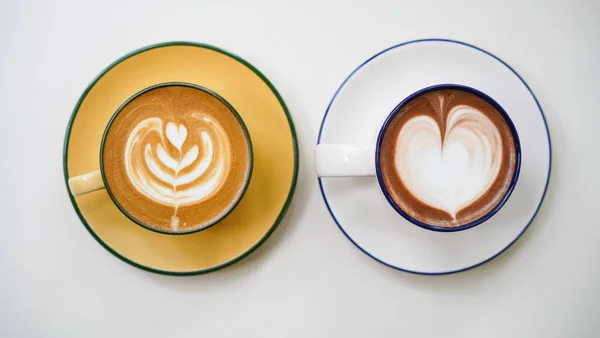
176	158
448	157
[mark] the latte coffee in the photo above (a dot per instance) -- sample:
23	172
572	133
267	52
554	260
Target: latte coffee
176	158
448	157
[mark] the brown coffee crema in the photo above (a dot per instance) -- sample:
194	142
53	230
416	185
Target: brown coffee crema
176	158
447	158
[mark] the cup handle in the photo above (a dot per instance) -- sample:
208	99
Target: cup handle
345	160
85	183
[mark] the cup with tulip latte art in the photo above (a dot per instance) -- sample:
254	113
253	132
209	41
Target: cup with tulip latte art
175	158
447	158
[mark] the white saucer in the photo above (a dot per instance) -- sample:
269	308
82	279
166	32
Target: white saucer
355	115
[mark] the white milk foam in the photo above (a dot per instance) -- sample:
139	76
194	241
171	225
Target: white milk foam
452	172
156	173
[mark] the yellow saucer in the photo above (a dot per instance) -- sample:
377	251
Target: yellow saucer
275	158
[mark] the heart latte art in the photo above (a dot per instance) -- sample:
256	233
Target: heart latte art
176	158
451	171
447	158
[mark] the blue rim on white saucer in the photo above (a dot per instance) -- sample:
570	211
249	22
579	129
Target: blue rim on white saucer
514	179
355	115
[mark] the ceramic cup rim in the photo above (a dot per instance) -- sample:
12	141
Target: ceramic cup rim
513	181
235	114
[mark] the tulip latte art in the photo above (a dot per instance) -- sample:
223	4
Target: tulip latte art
447	157
176	158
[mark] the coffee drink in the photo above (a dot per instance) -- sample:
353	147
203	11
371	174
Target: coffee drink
176	158
448	157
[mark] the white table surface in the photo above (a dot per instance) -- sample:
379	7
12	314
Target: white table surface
307	280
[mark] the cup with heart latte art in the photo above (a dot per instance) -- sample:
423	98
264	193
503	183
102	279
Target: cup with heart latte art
175	158
447	158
